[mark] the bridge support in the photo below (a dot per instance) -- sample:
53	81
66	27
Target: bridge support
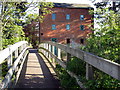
89	72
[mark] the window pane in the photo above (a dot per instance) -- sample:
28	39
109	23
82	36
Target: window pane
68	16
68	26
53	27
53	16
81	17
82	41
81	27
54	39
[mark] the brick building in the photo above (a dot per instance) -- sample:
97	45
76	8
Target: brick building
68	22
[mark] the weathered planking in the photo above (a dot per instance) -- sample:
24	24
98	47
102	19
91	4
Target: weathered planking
7	52
107	66
8	76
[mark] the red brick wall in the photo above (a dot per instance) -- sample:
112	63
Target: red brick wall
61	33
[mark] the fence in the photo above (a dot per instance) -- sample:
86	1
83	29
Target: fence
15	56
106	66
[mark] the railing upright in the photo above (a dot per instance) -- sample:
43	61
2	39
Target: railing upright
89	72
50	51
14	56
53	52
59	53
104	65
10	59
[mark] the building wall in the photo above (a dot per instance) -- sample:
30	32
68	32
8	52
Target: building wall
32	31
61	33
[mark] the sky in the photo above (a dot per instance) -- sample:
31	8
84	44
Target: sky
71	1
66	1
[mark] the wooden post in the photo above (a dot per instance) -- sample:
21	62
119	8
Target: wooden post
48	50
89	72
59	53
44	47
68	55
20	49
53	51
16	53
9	62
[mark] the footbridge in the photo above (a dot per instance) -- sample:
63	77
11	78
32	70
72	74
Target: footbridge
24	67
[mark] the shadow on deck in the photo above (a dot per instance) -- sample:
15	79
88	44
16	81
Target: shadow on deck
36	73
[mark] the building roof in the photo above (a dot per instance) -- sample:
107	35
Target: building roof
69	5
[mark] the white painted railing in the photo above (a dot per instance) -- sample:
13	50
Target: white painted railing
18	52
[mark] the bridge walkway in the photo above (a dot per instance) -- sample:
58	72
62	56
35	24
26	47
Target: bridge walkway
37	73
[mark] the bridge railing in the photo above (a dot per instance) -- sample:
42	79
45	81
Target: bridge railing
106	66
14	56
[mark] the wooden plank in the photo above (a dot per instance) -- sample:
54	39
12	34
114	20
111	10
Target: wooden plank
55	57
8	76
107	66
64	66
5	53
72	51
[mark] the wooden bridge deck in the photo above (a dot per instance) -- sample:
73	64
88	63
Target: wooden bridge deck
37	73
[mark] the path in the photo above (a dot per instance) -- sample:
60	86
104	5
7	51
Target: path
38	73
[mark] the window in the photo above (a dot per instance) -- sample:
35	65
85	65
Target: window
68	40
53	16
41	33
54	39
82	41
67	26
53	27
81	27
81	17
68	16
55	48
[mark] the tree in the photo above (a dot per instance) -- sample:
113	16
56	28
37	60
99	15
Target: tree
105	40
14	16
112	5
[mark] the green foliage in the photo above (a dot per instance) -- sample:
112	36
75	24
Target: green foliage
11	28
66	80
105	40
14	16
76	66
102	80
